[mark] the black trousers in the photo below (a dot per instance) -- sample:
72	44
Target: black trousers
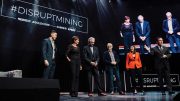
133	73
94	72
164	72
49	70
75	68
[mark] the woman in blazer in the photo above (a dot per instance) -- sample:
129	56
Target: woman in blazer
134	67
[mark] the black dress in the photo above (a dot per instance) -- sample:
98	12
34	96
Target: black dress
74	54
127	31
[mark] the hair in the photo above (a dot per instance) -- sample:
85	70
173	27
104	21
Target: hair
108	44
158	38
139	16
126	17
90	38
168	13
53	31
134	49
74	38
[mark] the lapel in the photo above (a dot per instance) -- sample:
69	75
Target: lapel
49	41
167	22
89	49
141	28
159	49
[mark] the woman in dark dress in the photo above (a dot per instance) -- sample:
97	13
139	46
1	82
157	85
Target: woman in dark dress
73	56
127	33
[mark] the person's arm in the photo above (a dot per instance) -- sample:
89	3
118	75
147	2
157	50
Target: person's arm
132	29
139	59
67	53
168	54
127	61
137	31
97	55
85	55
164	27
148	30
150	50
105	59
117	57
44	52
176	26
44	49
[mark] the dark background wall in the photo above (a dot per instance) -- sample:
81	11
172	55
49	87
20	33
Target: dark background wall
20	43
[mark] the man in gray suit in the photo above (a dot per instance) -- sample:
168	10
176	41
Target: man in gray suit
161	57
48	51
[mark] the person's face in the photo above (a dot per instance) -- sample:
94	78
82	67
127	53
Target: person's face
109	47
92	41
132	48
169	15
127	21
76	41
54	36
160	41
141	18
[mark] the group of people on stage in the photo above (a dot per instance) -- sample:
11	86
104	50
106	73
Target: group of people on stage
170	26
91	58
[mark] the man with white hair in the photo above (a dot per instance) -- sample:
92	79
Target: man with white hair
143	33
170	27
91	59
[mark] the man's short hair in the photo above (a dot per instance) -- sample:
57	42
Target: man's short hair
90	38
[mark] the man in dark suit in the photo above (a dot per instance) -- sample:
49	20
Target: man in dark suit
48	52
170	27
143	33
111	60
91	59
162	55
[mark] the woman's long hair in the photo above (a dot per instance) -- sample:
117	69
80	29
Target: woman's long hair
134	49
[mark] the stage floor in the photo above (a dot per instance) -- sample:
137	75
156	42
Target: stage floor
149	96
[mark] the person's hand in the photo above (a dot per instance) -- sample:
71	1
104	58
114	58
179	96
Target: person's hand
143	38
147	48
93	63
46	63
170	32
80	67
134	38
69	60
164	56
121	34
178	33
113	63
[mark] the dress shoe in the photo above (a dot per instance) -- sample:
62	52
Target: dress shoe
90	94
112	93
135	91
101	94
121	93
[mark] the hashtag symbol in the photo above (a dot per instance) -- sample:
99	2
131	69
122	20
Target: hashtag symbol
13	8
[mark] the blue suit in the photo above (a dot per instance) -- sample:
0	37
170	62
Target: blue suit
47	54
145	32
172	37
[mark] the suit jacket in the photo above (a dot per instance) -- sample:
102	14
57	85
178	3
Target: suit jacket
158	55
175	25
107	58
47	50
132	62
146	29
89	57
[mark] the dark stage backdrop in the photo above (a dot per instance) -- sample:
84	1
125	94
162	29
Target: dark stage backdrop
20	41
